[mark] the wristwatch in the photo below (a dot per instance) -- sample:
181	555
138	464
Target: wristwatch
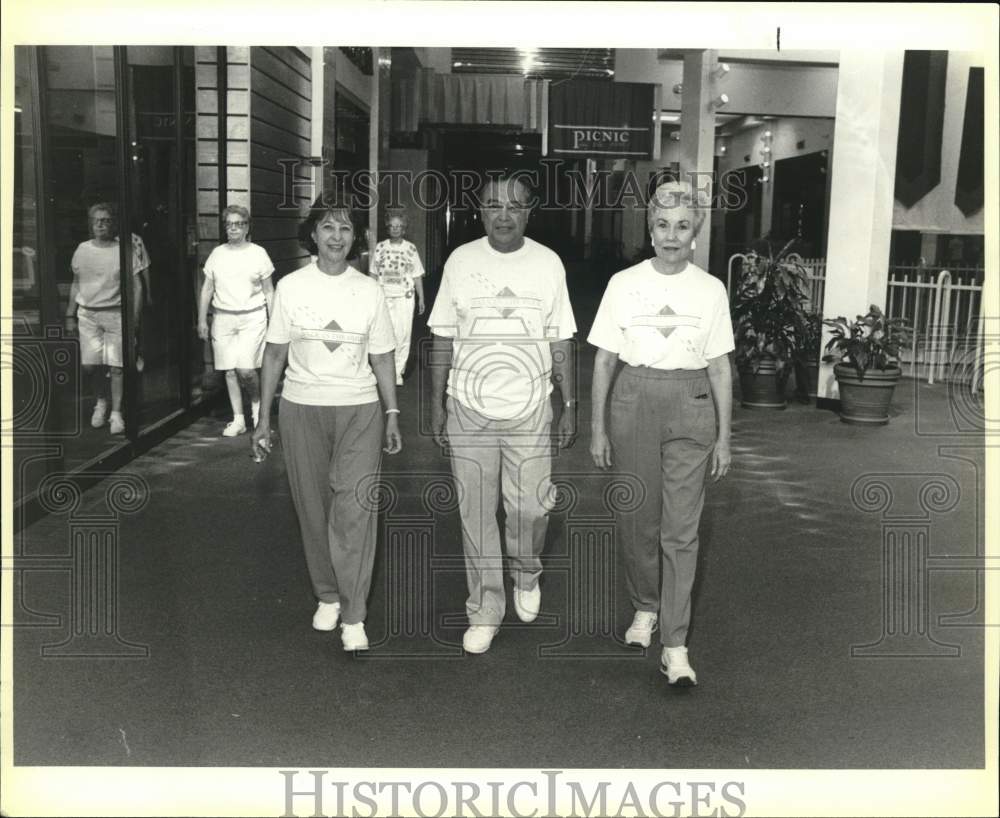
569	403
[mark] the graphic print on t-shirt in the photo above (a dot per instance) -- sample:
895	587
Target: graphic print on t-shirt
507	302
665	320
332	335
395	268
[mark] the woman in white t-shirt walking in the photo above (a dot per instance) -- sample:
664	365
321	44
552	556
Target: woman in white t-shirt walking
95	309
239	289
331	328
668	322
396	267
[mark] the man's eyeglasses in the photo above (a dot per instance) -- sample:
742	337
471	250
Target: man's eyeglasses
513	207
236	224
103	220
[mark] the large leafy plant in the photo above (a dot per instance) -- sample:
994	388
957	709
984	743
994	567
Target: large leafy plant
871	341
811	337
768	309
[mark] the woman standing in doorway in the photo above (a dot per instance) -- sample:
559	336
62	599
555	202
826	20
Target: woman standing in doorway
668	322
238	287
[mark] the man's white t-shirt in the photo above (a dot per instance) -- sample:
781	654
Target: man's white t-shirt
96	269
664	321
331	323
395	266
238	274
502	310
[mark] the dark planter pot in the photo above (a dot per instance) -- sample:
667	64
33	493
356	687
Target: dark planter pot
812	378
865	402
762	389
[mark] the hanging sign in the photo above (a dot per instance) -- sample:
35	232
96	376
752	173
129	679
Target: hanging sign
601	119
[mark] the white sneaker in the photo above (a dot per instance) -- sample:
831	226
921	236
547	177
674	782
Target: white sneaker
255	412
327	616
478	638
527	603
99	418
117	423
644	624
674	665
236	426
354	636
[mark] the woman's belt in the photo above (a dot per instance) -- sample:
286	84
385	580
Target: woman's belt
238	312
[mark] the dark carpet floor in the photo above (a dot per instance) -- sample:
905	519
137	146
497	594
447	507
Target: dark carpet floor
211	584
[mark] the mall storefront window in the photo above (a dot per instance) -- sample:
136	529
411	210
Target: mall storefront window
106	358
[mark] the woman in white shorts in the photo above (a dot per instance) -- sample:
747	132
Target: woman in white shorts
238	287
396	267
95	307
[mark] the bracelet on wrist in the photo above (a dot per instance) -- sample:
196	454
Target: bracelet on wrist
392	411
567	404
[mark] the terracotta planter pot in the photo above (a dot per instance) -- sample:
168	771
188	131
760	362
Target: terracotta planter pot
865	402
763	389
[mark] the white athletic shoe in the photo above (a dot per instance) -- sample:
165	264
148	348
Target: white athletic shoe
478	638
327	616
674	665
644	623
117	423
235	427
100	416
527	603
354	636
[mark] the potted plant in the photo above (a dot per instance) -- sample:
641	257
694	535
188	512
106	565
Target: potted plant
768	324
867	364
807	365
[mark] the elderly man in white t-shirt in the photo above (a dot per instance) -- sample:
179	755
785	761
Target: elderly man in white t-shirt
503	329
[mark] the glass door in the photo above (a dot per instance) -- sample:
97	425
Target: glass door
162	190
79	276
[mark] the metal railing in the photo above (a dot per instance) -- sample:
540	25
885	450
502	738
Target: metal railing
944	308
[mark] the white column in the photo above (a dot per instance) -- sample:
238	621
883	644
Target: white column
316	121
374	136
862	188
698	135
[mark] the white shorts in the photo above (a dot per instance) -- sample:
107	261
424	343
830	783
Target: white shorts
100	336
238	339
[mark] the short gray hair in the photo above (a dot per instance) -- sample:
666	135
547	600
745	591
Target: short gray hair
675	194
236	210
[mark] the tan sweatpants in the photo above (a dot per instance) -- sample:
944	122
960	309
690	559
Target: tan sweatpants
662	431
329	451
490	457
